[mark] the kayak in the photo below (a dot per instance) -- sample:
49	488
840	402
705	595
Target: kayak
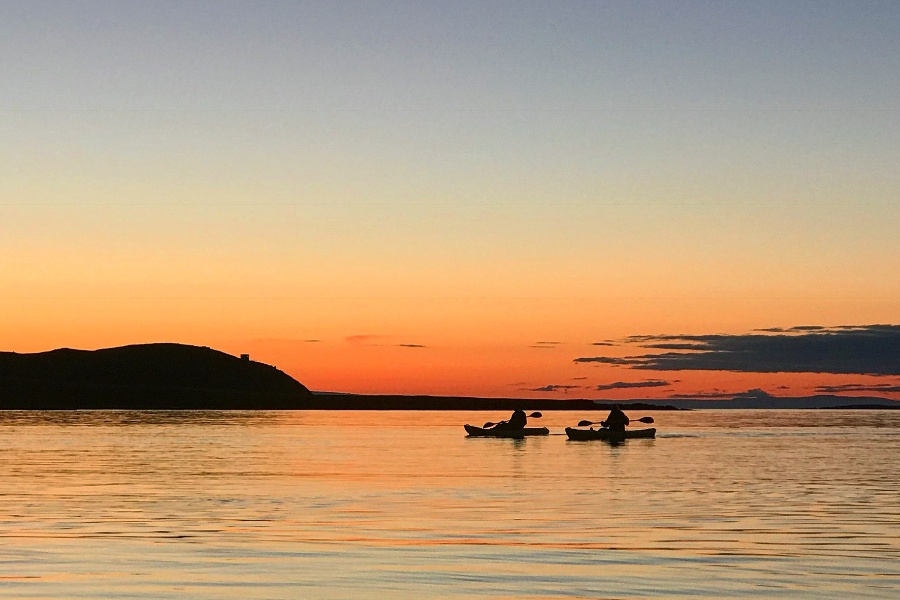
505	433
606	434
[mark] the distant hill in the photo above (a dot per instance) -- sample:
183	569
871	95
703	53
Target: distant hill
145	376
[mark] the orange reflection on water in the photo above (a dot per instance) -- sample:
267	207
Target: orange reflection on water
276	504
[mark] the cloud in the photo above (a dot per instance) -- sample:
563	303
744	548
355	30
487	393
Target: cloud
379	340
845	349
884	388
603	344
554	388
578	378
796	329
704	396
545	345
609	360
634	339
622	385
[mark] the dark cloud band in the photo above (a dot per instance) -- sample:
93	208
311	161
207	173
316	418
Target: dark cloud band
625	385
850	349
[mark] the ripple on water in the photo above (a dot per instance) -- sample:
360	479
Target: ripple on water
284	505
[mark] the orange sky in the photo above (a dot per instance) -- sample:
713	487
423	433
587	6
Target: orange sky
242	178
496	347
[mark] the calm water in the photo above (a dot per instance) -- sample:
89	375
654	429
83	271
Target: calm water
777	504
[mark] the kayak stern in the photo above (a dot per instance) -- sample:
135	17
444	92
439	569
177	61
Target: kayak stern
474	431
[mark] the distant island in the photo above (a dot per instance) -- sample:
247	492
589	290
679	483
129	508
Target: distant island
169	376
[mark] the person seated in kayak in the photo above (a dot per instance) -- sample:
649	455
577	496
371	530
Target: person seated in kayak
617	420
518	420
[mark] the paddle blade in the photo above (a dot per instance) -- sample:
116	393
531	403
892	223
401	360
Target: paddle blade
644	419
585	423
536	415
488	425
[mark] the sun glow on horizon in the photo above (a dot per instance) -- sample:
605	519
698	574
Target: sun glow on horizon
461	183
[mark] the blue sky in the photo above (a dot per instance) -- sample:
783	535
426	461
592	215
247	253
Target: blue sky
555	56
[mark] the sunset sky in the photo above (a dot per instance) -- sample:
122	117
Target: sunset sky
461	197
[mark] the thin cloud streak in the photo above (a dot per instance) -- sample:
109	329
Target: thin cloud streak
545	345
554	388
624	385
608	360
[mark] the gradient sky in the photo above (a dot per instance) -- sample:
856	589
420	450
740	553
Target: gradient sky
417	197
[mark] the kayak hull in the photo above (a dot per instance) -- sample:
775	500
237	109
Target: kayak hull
474	431
606	434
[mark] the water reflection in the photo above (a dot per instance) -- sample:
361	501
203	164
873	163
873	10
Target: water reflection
137	417
284	505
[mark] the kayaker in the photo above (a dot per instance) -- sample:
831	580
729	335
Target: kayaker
518	420
617	420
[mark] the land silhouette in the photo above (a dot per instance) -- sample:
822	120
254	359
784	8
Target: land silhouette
144	376
168	376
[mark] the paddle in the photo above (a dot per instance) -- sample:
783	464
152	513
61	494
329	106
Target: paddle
641	420
534	415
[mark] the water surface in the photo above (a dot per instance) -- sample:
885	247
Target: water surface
772	504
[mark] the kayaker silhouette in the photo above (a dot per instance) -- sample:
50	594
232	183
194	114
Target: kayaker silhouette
617	420
518	420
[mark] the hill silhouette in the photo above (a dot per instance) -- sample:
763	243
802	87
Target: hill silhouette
144	376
